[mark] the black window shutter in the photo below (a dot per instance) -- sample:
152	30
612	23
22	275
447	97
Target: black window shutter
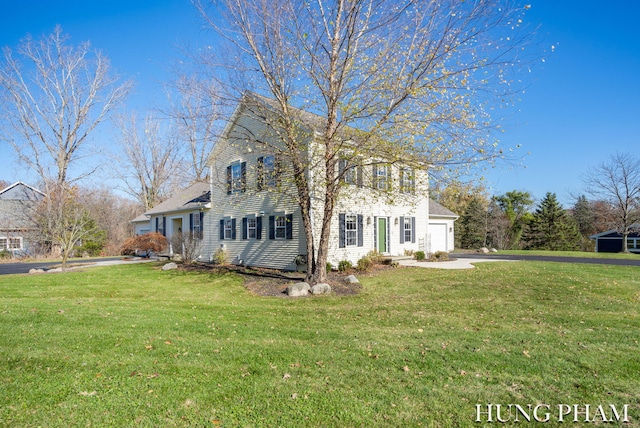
289	228
272	227
402	230
229	180
374	177
260	173
222	229
277	165
157	224
233	228
360	231
191	223
164	226
201	231
258	227
244	228
342	166
359	175
243	175
413	230
341	229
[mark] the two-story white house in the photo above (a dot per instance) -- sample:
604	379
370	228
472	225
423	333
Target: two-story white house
255	216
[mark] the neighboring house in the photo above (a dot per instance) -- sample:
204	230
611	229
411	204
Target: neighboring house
611	240
17	205
182	213
255	217
441	237
141	225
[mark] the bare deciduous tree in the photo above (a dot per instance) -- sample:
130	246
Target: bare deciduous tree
54	96
63	221
152	163
413	77
196	116
617	182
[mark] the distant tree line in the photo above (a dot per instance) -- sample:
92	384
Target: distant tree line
512	221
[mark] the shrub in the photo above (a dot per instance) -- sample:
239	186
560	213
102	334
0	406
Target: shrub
4	254
439	256
329	267
220	257
375	257
419	255
144	244
408	252
344	265
364	264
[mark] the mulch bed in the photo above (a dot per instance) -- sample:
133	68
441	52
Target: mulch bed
270	282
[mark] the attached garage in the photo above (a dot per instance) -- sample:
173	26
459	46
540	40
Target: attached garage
440	234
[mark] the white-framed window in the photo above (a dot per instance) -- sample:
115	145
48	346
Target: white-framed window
381	177
251	228
236	177
351	230
196	230
280	227
14	243
633	244
408	229
348	171
228	228
407	180
270	173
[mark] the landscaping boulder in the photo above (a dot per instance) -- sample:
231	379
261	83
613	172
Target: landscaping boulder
484	250
298	289
321	288
351	279
170	266
493	250
33	271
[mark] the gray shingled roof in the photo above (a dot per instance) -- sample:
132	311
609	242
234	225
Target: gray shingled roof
193	197
435	209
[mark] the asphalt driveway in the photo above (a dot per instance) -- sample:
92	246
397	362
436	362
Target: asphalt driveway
558	259
22	267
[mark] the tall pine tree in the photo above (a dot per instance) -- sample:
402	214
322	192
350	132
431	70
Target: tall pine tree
551	228
474	224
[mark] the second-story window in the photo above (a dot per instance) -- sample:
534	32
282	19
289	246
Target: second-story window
268	170
407	180
236	177
381	177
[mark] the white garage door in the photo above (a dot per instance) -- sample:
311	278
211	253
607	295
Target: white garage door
438	237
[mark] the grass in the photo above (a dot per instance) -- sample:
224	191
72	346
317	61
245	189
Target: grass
132	345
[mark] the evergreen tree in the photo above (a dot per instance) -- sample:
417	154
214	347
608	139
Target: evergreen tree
473	224
551	228
584	217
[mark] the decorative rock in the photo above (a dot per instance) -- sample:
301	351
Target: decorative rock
493	250
351	279
298	289
54	270
484	250
170	266
321	288
33	271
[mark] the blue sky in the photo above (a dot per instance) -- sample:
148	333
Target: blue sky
581	106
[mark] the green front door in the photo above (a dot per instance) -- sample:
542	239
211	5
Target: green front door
382	235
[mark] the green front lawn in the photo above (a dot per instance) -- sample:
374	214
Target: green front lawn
132	345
